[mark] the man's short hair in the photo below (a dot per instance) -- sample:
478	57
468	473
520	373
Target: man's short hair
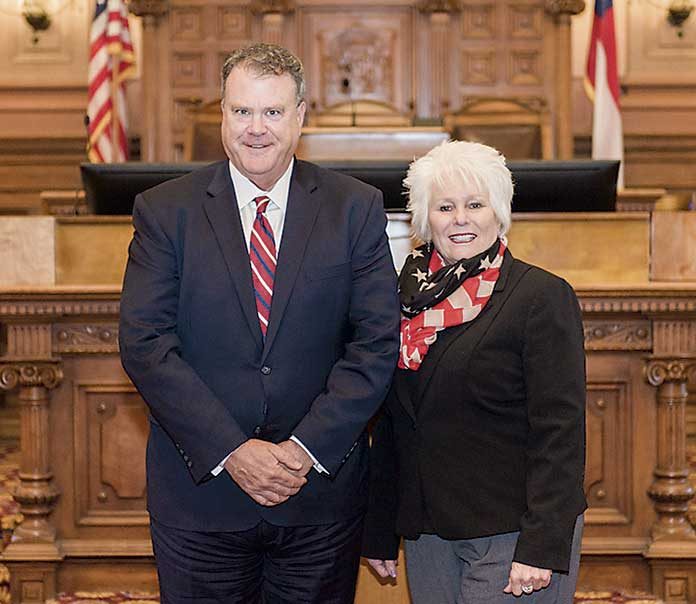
266	59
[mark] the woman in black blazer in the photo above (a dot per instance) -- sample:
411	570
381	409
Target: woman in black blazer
477	458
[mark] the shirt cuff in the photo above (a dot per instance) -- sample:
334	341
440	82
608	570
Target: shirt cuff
221	466
317	466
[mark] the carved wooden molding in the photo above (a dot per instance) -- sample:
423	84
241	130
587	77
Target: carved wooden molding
58	308
618	335
85	338
653	305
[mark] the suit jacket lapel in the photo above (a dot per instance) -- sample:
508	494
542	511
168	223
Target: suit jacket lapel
222	211
300	216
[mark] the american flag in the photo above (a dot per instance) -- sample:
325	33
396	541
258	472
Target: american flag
111	61
602	86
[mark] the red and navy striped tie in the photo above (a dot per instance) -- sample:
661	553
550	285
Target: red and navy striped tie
262	252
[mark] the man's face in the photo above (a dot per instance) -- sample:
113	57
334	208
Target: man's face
261	124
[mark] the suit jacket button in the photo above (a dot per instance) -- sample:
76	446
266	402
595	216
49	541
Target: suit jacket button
266	370
257	430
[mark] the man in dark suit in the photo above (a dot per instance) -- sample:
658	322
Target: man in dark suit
259	321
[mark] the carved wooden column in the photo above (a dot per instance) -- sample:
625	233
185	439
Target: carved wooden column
671	490
561	11
274	19
36	493
440	13
151	12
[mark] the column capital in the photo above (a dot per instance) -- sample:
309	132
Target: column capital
439	7
272	7
13	374
661	370
564	7
149	8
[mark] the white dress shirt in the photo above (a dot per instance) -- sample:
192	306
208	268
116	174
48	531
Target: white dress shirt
246	191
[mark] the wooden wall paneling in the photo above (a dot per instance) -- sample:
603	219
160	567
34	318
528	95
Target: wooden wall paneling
607	473
111	428
197	37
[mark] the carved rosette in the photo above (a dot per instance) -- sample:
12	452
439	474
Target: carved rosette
671	491
564	7
47	375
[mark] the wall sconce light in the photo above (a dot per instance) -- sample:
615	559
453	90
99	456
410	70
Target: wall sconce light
36	17
678	11
38	14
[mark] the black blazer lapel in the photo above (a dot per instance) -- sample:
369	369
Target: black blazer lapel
300	216
222	211
479	326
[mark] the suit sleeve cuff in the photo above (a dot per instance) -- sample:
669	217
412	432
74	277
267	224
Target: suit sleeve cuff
317	466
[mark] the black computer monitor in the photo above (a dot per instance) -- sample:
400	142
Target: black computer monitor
540	186
564	186
111	188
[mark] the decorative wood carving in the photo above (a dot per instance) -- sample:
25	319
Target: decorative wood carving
85	338
525	67
478	21
188	69
233	23
675	337
607	474
28	341
36	493
479	67
187	23
615	335
364	56
671	490
525	22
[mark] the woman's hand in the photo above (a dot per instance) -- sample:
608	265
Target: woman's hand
526	579
384	568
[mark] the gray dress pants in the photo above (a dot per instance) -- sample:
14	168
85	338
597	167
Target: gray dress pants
475	571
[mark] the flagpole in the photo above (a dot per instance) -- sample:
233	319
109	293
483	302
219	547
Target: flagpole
115	136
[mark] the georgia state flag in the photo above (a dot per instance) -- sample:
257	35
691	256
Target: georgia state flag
602	86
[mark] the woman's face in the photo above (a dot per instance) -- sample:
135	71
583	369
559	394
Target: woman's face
462	222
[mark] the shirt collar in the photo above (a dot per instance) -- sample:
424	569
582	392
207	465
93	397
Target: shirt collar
246	191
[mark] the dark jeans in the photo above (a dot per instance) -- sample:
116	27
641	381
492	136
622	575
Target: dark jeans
266	564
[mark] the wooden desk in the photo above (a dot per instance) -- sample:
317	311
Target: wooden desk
85	521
